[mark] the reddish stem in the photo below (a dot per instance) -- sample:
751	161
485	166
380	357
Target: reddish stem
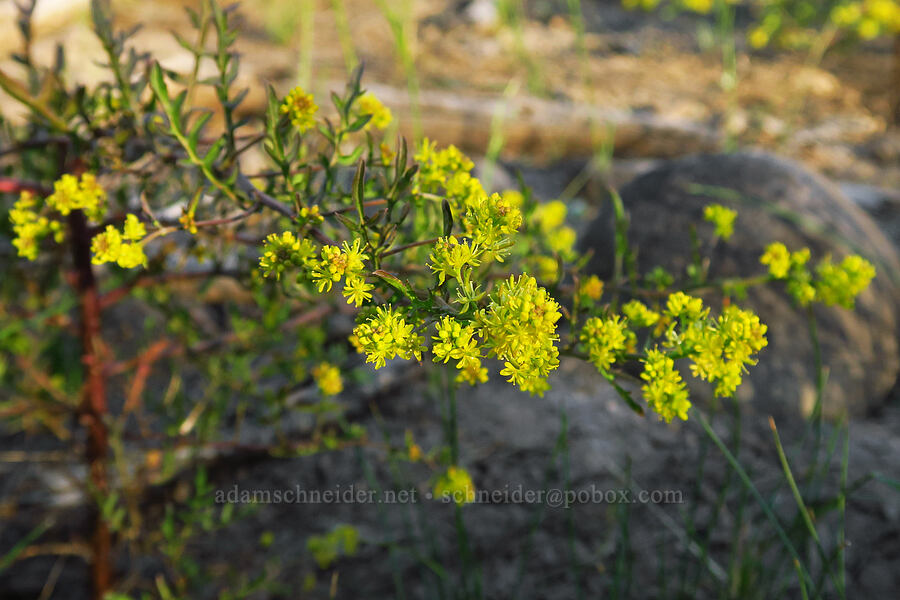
93	408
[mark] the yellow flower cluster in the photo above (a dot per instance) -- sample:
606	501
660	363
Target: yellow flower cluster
720	353
841	283
591	289
490	220
450	170
639	315
723	219
370	105
551	218
519	327
300	109
456	485
833	284
328	378
85	194
336	262
665	390
454	340
283	251
781	261
123	248
30	227
605	340
868	18
450	257
719	349
386	335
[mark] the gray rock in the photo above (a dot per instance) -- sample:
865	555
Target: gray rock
777	200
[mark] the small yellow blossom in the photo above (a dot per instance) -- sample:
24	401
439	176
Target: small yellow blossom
605	340
455	485
370	105
723	219
357	291
639	315
328	378
300	108
665	390
591	288
134	230
71	193
386	335
286	250
519	327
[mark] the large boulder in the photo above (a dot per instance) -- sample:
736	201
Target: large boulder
776	200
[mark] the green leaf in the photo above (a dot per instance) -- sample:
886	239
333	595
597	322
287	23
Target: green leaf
448	217
359	190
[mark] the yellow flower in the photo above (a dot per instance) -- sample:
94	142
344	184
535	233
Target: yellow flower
605	340
370	105
300	107
386	335
591	288
387	155
722	217
71	193
449	257
759	37
840	284
131	255
286	250
638	314
134	230
680	304
30	227
456	485
665	390
357	291
328	378
699	6
106	246
519	327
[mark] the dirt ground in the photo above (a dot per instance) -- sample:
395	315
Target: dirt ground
636	68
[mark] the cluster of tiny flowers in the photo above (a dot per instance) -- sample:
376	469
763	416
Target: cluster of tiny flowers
30	227
841	283
386	335
868	18
605	340
455	340
590	289
328	377
519	327
833	283
449	170
719	349
722	218
455	484
665	390
346	262
490	220
73	193
300	109
697	6
368	104
123	248
551	219
639	314
283	251
449	257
